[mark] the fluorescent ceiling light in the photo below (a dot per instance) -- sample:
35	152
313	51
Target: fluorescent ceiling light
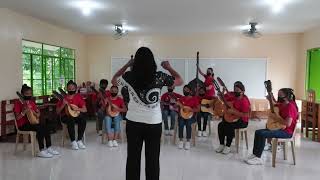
87	6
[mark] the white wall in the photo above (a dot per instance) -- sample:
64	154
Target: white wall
15	27
282	51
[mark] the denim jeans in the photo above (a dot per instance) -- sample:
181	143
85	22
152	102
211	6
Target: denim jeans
173	115
185	122
112	124
261	135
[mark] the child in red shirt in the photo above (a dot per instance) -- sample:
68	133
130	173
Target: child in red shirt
112	124
168	99
192	103
288	115
241	108
204	115
76	99
24	125
101	108
208	82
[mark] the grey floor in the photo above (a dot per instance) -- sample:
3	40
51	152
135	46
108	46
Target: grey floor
99	162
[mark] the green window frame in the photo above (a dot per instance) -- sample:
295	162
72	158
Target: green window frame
47	67
313	71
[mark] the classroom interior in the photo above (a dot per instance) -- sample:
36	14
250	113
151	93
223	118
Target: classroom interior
46	43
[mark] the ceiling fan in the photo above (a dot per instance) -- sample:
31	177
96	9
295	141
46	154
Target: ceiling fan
120	31
252	32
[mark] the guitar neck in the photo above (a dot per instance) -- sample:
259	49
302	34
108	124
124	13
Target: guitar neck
270	96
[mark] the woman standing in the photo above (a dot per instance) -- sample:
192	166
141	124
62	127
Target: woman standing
144	123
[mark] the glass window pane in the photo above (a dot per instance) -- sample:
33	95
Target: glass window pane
37	87
57	84
49	87
36	67
48	67
51	50
27	82
67	53
56	68
31	47
26	66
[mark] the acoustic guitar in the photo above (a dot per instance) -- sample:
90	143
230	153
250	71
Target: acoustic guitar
69	109
31	115
228	117
272	124
111	108
185	112
207	106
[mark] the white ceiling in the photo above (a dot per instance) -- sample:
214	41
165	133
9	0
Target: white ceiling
173	16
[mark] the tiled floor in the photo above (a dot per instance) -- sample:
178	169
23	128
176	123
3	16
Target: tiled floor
99	162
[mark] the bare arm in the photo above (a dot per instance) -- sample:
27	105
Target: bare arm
120	72
178	81
199	70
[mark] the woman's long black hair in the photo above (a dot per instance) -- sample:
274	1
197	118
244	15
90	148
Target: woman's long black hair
290	95
144	68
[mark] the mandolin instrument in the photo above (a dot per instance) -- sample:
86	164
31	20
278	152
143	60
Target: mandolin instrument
70	108
110	108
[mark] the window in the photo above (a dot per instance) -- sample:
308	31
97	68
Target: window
313	73
46	67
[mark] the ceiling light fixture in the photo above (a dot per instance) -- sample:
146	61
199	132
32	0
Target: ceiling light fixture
87	6
277	5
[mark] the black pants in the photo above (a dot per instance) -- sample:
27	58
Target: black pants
205	117
42	133
150	134
226	129
70	122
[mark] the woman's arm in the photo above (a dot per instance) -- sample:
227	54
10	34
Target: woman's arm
199	70
120	72
178	81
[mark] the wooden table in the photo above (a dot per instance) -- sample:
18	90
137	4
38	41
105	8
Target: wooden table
306	124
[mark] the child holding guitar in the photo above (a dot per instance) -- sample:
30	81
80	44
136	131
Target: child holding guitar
235	117
168	108
189	106
288	116
24	124
101	108
78	105
113	117
202	114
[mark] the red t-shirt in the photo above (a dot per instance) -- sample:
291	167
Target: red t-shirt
242	105
118	101
76	100
229	96
166	97
289	111
18	108
209	82
192	102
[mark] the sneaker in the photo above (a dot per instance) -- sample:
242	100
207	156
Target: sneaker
115	143
74	145
110	144
255	161
226	150
267	147
250	157
100	133
50	150
187	145
81	145
220	149
44	154
199	133
180	146
204	134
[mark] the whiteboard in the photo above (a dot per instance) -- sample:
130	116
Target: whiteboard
250	71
